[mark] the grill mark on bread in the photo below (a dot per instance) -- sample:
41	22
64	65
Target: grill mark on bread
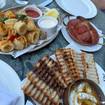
66	62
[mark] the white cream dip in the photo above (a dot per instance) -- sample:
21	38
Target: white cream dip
48	25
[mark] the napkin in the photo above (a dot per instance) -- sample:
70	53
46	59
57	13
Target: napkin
7	97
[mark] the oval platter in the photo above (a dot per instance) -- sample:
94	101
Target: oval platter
32	47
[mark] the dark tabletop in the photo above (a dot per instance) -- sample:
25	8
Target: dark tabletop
24	63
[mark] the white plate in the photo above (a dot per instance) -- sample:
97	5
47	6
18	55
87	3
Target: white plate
83	8
11	81
92	48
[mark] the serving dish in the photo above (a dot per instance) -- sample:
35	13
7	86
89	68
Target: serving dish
83	8
84	91
82	31
41	43
91	48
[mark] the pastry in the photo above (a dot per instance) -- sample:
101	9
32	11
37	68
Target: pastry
6	46
20	27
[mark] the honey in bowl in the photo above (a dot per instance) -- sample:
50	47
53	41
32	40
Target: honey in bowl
83	92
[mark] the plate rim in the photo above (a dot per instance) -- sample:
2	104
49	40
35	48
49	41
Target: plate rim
93	7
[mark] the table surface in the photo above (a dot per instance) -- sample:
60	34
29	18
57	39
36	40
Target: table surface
23	64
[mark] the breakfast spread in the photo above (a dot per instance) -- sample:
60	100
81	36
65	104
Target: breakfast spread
49	79
82	31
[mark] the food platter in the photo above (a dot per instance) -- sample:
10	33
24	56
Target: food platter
33	47
32	74
99	70
83	8
10	80
92	48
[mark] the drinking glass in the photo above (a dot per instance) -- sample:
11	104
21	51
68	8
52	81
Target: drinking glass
22	2
2	3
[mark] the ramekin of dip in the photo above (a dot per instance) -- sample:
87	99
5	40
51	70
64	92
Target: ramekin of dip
48	25
33	11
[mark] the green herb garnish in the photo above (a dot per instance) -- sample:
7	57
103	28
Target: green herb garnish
2	19
21	16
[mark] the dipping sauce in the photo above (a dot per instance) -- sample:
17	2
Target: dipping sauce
48	23
83	94
32	13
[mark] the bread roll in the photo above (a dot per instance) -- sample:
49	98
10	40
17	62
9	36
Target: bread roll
20	43
20	27
6	46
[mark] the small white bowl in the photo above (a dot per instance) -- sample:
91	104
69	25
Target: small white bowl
48	25
34	8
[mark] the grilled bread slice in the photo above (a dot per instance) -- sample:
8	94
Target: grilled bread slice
69	70
43	83
76	65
